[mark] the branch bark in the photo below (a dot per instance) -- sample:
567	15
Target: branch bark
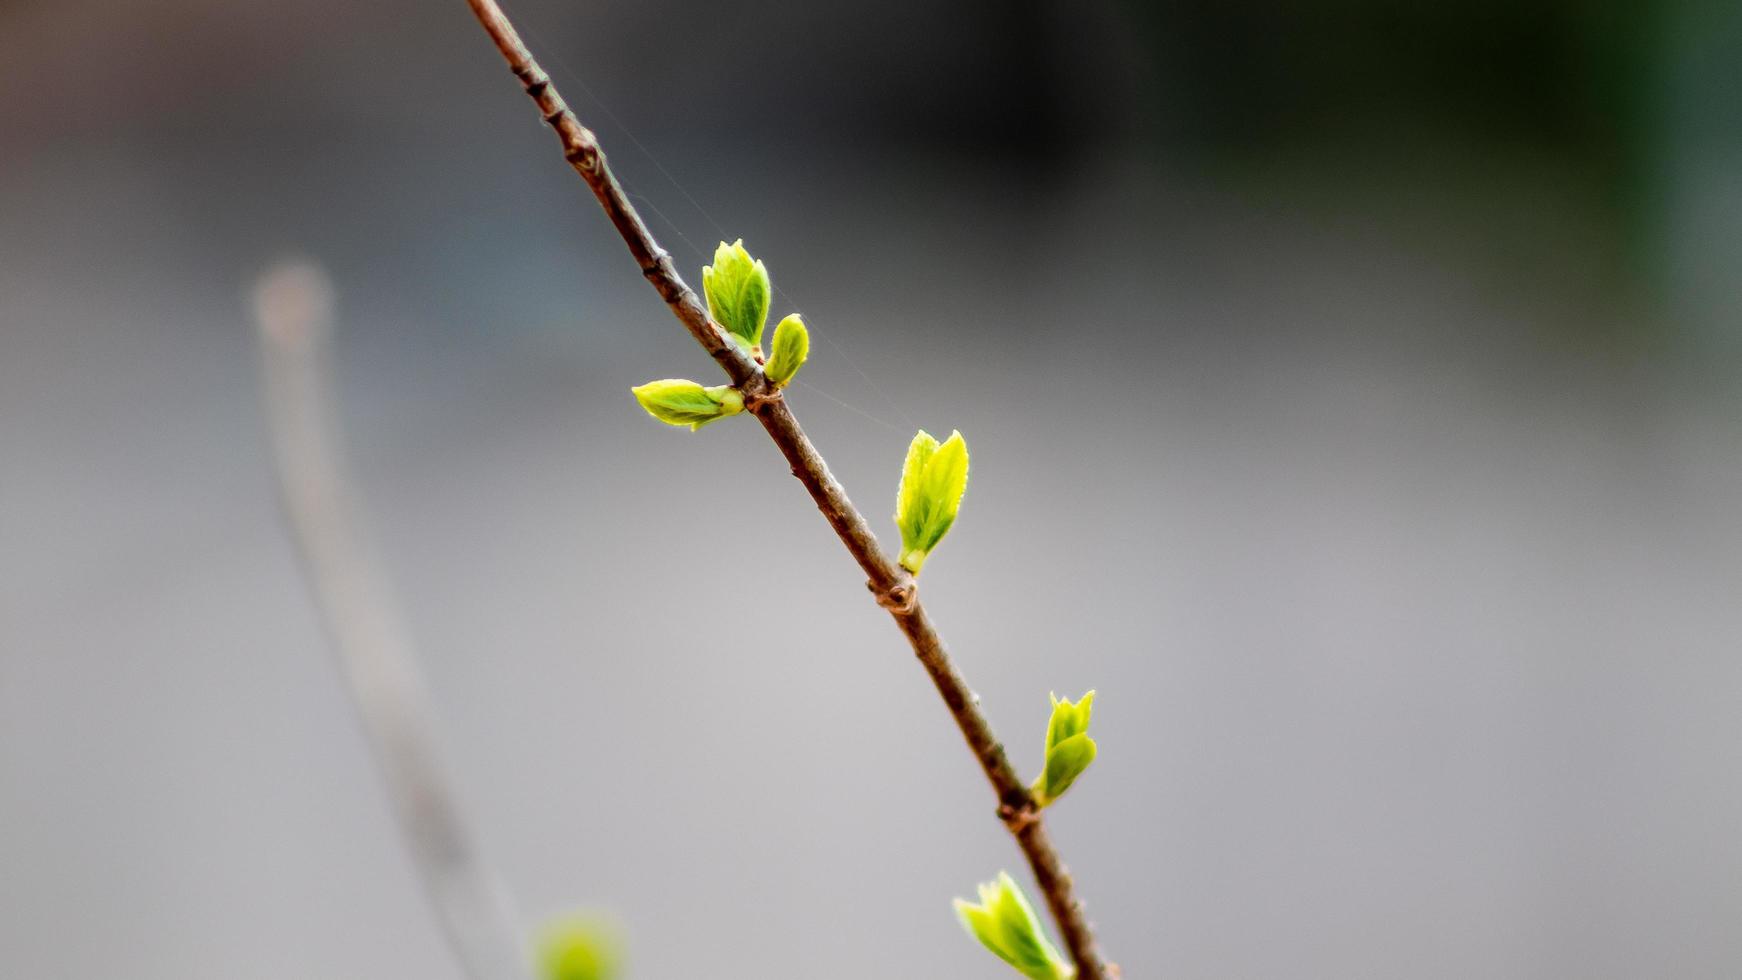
293	311
894	588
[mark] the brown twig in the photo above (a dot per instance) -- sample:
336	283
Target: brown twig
892	585
292	306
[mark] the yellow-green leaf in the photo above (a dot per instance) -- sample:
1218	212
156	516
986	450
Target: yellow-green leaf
737	288
675	401
578	946
1068	719
919	452
1004	922
932	483
1064	763
792	345
1069	749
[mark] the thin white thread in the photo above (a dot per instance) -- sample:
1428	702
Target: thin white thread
644	199
851	408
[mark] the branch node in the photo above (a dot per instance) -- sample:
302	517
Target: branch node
902	598
760	396
1019	818
655	270
580	148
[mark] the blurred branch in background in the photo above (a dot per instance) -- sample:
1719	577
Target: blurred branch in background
293	310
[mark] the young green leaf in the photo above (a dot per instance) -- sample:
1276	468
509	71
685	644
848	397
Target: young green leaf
737	289
1005	923
1069	749
919	453
932	483
678	402
578	946
1064	764
792	344
1068	719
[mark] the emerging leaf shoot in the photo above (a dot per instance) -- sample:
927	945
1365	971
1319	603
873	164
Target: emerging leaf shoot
1005	923
577	946
1069	749
932	483
737	289
678	402
792	344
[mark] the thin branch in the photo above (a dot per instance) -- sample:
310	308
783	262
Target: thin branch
892	586
293	306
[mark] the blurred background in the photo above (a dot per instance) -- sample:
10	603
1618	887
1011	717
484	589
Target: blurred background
1355	397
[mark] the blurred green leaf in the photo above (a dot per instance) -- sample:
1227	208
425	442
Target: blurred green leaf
1005	924
1069	749
1064	764
1068	719
579	946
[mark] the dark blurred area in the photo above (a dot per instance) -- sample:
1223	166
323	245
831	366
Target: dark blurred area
1355	394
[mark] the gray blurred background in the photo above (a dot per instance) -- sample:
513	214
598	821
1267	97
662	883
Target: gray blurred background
1355	395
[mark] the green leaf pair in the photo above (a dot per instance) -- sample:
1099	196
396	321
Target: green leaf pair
1069	749
578	946
932	483
737	288
675	401
1005	923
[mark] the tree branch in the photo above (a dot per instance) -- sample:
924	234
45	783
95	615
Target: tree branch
292	305
894	589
